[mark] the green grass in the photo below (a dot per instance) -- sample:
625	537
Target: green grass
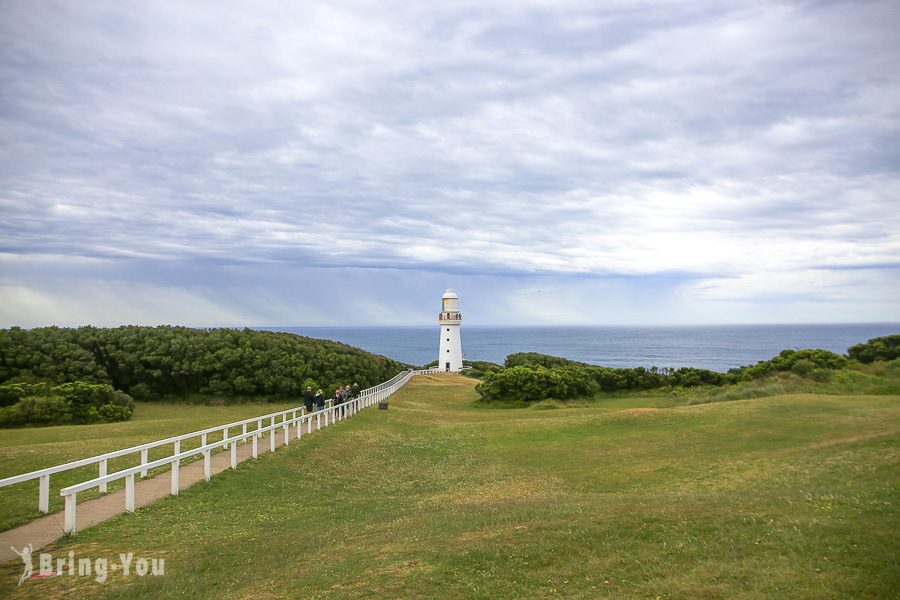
792	496
32	448
877	378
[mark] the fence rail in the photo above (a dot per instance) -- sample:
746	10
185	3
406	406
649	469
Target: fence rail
281	419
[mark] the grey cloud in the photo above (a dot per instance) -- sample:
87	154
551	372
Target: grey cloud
531	138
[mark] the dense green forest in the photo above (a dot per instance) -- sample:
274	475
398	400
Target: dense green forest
166	362
533	377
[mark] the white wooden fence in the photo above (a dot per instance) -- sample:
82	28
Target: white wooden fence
285	420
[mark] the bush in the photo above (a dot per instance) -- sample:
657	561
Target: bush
882	348
13	392
76	402
36	410
531	377
141	391
158	362
822	375
785	361
519	359
114	412
533	383
803	367
86	400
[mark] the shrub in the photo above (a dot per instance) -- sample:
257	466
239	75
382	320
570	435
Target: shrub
881	348
76	402
86	399
13	392
533	383
141	391
785	361
821	375
156	362
36	410
533	358
114	412
803	367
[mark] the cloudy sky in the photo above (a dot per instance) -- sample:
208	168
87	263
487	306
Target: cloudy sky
341	163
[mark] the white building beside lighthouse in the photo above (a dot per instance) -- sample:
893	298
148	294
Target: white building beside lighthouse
450	353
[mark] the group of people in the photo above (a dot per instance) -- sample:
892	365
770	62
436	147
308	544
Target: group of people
317	399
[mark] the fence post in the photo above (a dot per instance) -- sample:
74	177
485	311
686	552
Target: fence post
129	493
69	526
207	464
102	487
255	446
224	437
175	484
44	494
287	432
202	439
144	454
234	455
272	439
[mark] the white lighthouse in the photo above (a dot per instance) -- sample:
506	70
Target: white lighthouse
450	353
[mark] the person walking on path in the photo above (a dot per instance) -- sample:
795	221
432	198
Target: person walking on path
308	399
320	400
355	390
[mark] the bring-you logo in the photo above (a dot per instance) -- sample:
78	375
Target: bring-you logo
98	568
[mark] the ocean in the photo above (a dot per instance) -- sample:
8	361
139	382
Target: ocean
715	347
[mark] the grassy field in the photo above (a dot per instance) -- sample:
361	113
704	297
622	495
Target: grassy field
31	448
792	496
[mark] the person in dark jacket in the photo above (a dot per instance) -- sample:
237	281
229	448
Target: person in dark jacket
308	399
338	397
355	389
320	400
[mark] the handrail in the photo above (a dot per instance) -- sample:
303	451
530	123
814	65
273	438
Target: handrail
341	411
117	453
102	459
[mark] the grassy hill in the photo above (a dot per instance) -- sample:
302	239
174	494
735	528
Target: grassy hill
789	496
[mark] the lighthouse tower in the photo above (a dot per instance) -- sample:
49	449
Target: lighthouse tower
450	354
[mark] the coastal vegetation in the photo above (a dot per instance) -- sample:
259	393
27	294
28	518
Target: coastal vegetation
529	377
877	349
152	363
792	496
75	402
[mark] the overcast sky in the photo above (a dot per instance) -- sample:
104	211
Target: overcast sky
341	163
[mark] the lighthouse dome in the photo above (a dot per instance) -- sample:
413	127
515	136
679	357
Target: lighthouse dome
450	294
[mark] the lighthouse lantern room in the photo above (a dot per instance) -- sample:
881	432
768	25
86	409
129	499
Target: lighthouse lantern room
450	319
